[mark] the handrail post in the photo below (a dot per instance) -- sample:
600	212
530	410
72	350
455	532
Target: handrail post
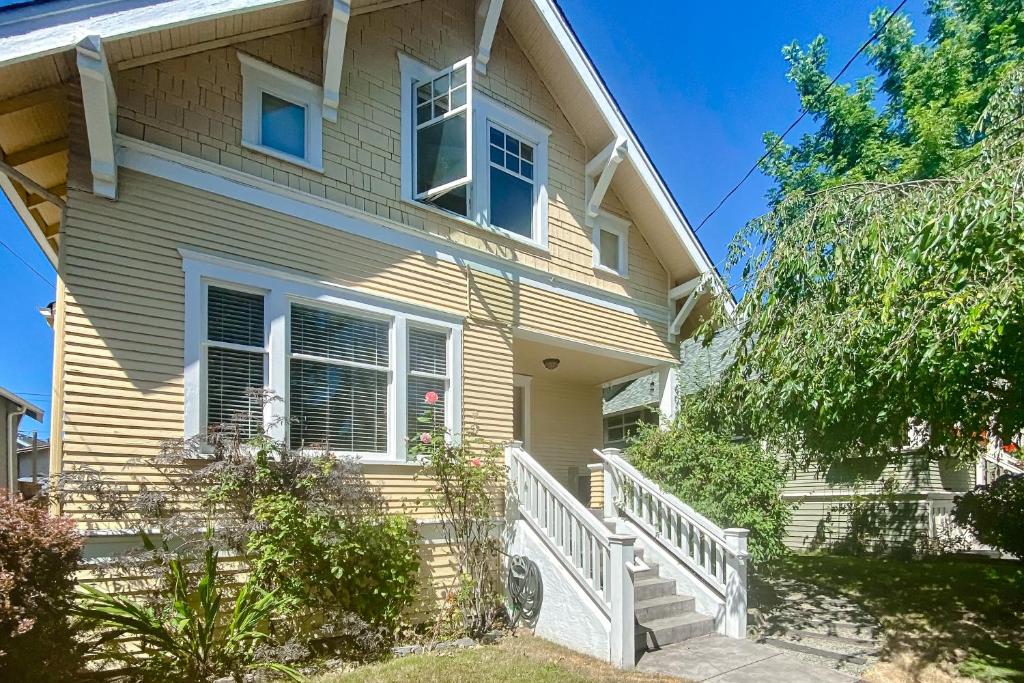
736	583
622	644
611	489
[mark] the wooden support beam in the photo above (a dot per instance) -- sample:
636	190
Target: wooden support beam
57	190
603	166
487	15
29	184
100	103
679	291
37	152
686	310
31	99
334	56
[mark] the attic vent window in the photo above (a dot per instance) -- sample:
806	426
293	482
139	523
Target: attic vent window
281	114
470	157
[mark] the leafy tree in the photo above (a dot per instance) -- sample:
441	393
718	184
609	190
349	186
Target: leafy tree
875	306
933	93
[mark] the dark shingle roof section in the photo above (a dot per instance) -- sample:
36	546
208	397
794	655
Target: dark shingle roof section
637	393
701	365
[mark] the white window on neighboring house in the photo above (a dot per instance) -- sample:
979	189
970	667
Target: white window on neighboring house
470	157
611	244
281	114
340	373
236	359
620	429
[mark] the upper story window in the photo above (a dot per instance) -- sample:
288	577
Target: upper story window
611	244
469	156
281	114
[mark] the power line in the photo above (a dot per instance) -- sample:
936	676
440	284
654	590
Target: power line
803	113
26	264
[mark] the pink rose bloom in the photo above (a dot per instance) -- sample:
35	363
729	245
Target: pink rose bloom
430	398
425	438
475	462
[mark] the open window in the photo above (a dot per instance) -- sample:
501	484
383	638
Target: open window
444	138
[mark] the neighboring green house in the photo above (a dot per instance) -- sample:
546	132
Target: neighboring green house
867	504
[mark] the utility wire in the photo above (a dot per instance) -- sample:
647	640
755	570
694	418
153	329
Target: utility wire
803	113
26	264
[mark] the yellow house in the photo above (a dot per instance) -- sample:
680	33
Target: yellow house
350	203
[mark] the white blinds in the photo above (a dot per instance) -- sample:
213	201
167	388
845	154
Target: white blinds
428	371
338	388
235	359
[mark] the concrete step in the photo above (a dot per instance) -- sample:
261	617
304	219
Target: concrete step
659	608
658	633
645	589
649	573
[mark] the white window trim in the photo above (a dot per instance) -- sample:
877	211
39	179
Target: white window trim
281	290
259	77
485	111
618	226
525	382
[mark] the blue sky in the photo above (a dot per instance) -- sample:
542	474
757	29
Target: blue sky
700	83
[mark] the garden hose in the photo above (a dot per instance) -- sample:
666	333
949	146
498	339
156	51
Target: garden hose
525	589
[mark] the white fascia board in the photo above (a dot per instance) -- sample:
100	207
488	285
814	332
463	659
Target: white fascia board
334	56
45	28
487	14
616	121
26	217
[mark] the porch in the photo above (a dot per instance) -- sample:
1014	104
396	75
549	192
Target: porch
559	402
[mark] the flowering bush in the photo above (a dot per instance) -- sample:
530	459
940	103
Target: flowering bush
38	557
465	488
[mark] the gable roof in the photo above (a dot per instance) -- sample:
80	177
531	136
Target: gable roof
33	411
50	27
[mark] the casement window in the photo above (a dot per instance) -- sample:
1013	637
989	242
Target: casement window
468	156
611	244
351	370
282	114
236	358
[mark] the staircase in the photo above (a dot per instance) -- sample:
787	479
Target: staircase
643	572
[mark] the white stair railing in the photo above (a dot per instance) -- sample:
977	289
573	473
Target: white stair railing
600	561
717	557
994	464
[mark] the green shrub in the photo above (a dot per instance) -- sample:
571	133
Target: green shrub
188	636
39	554
732	483
995	513
318	561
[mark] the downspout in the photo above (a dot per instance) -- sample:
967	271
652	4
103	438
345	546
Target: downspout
12	447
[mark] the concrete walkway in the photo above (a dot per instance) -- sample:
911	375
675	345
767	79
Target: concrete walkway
727	660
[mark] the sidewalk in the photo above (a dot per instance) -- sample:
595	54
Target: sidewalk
726	660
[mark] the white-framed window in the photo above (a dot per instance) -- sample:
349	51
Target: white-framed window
470	157
282	114
234	357
351	369
619	429
611	244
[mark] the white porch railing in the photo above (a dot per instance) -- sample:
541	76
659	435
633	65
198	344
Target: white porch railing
600	561
994	464
717	557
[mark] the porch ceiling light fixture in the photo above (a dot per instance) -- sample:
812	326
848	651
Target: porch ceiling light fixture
551	363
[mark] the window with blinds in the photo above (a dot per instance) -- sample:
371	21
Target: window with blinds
235	359
339	376
428	371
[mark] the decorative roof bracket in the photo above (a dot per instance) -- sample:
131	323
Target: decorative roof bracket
487	13
602	167
693	290
334	56
100	103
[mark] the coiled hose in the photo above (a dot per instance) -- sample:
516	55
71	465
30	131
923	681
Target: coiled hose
525	590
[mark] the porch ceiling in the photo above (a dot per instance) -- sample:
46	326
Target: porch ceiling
576	365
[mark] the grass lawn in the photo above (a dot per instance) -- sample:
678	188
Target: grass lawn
518	659
943	618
